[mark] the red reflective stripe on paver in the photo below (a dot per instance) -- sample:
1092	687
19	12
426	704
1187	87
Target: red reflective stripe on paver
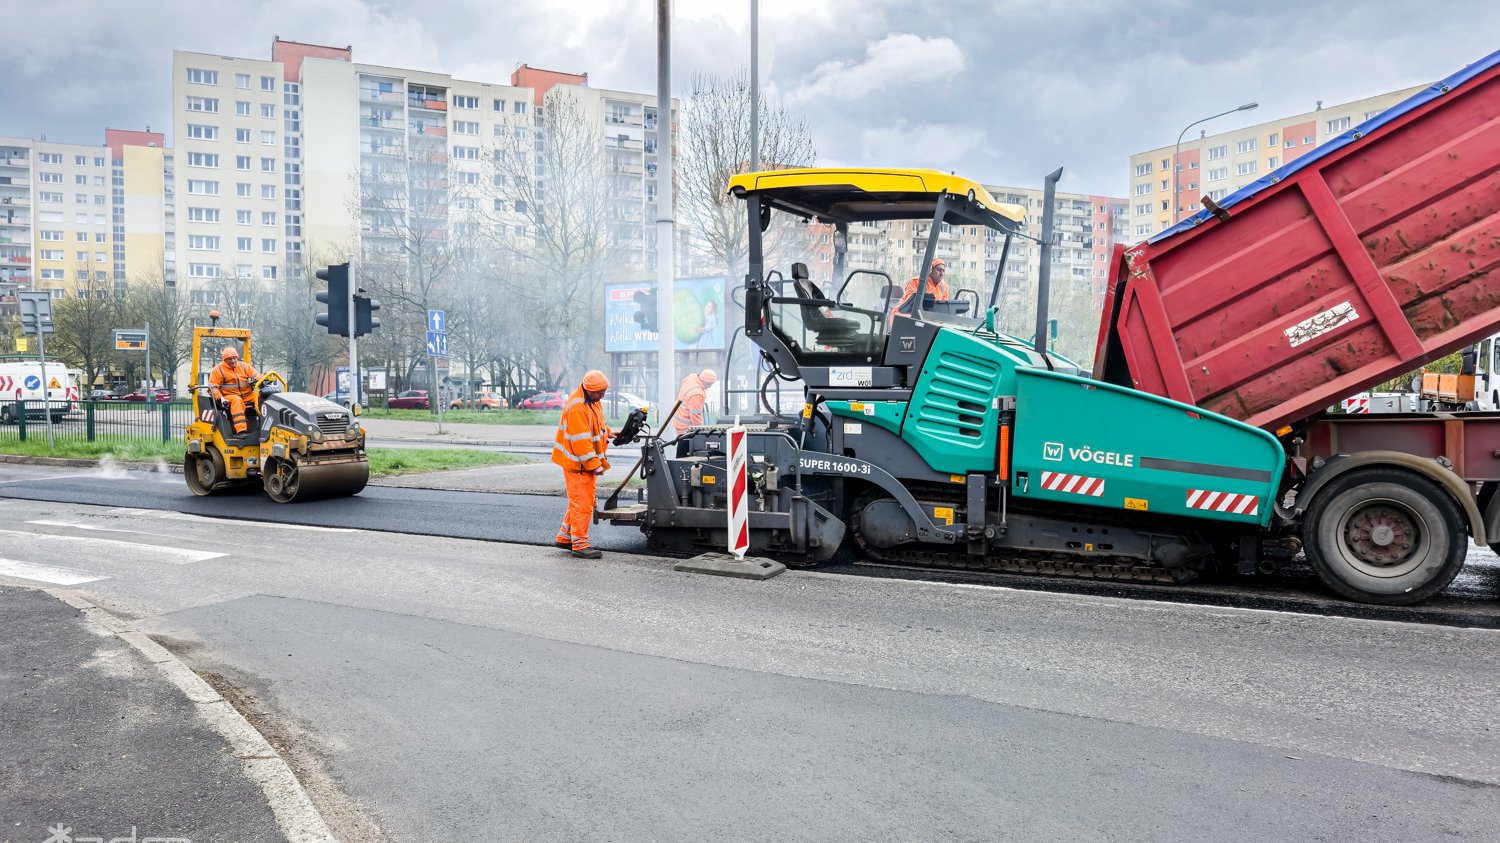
1231	502
1073	484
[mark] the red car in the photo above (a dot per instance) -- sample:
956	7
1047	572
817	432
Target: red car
412	399
162	396
544	401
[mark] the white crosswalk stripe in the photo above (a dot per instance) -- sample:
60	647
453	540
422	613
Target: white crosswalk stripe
51	574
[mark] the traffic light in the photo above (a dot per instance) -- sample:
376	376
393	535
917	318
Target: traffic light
646	315
364	323
336	320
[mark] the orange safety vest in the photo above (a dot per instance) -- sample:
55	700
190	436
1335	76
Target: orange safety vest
582	435
690	404
239	380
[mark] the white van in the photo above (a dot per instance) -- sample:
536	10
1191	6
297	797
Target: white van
22	381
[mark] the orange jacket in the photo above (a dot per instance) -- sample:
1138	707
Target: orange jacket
582	435
690	407
233	380
937	289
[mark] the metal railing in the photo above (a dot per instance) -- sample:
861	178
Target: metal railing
95	421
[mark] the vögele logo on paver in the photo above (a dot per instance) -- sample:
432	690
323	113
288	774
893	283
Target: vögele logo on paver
1052	451
63	833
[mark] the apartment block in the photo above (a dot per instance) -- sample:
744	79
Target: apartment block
1219	164
16	159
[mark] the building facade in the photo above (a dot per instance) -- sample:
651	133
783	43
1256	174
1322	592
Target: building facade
1217	165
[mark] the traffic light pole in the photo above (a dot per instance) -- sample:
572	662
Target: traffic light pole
353	340
666	343
41	350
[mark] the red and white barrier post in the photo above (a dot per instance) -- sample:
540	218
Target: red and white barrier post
739	491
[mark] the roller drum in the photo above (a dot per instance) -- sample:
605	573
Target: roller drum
289	482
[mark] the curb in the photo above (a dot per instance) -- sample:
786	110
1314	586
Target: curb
295	813
491	443
68	462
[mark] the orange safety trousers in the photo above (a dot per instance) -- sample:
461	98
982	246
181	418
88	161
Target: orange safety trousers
236	410
581	499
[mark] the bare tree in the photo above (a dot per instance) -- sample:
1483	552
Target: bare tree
85	325
715	146
171	315
289	335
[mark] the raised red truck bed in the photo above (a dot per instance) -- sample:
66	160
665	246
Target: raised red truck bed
1353	264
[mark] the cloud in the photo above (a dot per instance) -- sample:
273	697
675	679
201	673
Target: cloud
896	60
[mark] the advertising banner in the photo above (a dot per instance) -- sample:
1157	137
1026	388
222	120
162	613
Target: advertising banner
697	314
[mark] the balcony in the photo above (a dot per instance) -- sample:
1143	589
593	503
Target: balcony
622	119
15	260
393	124
429	131
631	144
16	201
369	94
15	181
430	105
16	161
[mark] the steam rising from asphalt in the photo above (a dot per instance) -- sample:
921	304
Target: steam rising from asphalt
110	469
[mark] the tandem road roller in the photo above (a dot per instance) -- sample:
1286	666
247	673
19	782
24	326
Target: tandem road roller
297	447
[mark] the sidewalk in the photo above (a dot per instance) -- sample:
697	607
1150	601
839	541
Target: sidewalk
107	735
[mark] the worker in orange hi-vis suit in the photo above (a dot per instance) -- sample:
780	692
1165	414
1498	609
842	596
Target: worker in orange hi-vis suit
690	398
582	438
233	382
936	286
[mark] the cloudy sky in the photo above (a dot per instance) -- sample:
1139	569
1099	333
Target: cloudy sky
998	90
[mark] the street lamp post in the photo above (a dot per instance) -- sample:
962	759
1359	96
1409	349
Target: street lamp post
1176	150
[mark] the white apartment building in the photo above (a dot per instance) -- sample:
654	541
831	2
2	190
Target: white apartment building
16	158
1217	165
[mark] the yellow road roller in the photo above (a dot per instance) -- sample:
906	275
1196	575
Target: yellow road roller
296	446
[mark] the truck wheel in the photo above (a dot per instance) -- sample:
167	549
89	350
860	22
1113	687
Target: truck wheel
1386	536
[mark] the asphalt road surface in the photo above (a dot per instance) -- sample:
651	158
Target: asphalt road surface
1472	600
445	688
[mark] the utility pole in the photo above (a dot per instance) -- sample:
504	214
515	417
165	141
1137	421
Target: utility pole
666	335
754	86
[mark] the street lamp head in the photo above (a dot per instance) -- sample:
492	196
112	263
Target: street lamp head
1249	106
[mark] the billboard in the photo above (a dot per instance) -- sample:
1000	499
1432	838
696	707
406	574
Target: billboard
697	314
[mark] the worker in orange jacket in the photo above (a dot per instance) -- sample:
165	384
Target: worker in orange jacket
582	438
233	383
690	399
936	286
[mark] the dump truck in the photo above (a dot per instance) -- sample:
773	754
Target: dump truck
1199	442
297	446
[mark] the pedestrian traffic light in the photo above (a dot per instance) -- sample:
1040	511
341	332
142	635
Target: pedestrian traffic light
336	320
646	315
364	322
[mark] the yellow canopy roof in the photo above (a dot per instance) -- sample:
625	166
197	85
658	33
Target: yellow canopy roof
854	195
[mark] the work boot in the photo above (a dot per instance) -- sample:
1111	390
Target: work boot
565	545
588	553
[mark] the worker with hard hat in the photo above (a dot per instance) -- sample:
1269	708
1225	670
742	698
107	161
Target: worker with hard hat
936	286
233	383
582	437
691	398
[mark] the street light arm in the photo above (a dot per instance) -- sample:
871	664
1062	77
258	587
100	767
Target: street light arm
1177	148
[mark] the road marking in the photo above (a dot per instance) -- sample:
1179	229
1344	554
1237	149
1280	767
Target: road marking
81	526
186	516
46	573
185	555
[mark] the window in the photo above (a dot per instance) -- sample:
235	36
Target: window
1166	184
49	157
1290	143
1217	152
268	246
203	214
242	162
1217	173
467	153
49	178
1273	140
242	270
1143	208
98	161
1143	169
202	77
203	270
50	235
465	102
243	244
1338	124
200	187
208	105
242	81
1244	168
1245	146
499	105
242	108
499	206
52	254
1143	230
199	132
1307	140
1143	189
468	178
241	135
80	199
53	274
268	218
99	238
100	200
268	111
268	273
242	190
1372	114
81	180
465	127
268	191
1273	162
268	165
268	138
268	83
203	242
207	160
1164	205
520	107
1218	194
242	217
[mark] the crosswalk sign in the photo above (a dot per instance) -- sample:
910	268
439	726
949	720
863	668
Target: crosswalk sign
54	384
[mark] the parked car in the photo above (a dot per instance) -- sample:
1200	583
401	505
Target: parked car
411	399
481	401
162	396
102	395
621	403
544	401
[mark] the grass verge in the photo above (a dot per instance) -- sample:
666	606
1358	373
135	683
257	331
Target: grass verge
384	462
533	417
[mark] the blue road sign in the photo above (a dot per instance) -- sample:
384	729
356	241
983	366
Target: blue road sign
33	382
436	323
437	342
